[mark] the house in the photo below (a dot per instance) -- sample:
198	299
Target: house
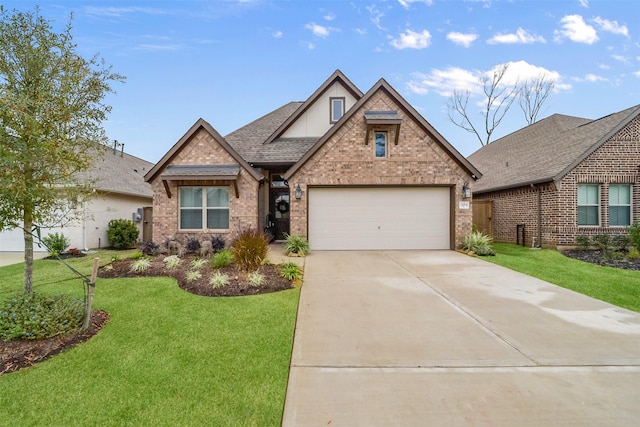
560	178
121	193
345	169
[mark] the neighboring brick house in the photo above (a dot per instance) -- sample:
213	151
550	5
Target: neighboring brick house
561	177
345	169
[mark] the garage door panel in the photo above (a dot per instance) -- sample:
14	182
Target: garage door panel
379	218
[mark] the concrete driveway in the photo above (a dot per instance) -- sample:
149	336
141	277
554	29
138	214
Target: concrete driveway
437	338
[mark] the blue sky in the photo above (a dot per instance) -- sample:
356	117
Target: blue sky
233	61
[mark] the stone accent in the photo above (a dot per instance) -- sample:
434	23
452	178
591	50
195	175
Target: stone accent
617	161
203	149
345	160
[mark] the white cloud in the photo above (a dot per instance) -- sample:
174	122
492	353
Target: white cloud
521	36
590	78
412	40
308	45
120	11
637	73
450	79
611	26
361	31
318	30
277	34
584	3
462	39
575	29
376	17
329	17
444	82
407	3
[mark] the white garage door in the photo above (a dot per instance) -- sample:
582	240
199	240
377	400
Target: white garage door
379	218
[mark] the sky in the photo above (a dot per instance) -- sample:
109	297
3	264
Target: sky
233	61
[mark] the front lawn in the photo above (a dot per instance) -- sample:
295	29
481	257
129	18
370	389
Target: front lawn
613	285
166	357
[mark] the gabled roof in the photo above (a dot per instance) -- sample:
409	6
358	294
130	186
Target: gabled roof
200	124
544	151
117	172
337	76
408	109
249	140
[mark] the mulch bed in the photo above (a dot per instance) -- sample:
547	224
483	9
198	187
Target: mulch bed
596	257
238	281
18	354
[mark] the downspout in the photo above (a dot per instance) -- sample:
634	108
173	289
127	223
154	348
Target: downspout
539	217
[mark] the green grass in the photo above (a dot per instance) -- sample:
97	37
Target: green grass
616	286
166	357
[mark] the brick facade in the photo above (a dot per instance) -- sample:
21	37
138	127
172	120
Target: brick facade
203	149
617	161
417	160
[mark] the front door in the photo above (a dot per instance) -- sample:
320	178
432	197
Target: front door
279	209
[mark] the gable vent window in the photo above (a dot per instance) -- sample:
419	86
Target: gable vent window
337	109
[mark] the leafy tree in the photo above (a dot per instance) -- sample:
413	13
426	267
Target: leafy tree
51	110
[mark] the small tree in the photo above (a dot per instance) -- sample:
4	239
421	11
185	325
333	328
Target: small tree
532	95
51	109
122	233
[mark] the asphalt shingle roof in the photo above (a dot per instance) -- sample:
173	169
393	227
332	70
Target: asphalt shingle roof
542	151
118	172
249	140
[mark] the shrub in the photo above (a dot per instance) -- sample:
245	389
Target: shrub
36	316
479	243
222	259
197	263
122	233
149	248
621	242
56	243
583	241
218	280
193	275
137	255
249	249
140	265
602	241
193	245
634	234
172	261
297	245
217	243
633	254
290	271
256	279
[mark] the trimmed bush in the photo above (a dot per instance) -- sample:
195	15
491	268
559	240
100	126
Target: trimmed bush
249	249
583	241
122	233
36	316
56	243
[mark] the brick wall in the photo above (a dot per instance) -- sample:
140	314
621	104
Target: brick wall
617	161
345	160
202	149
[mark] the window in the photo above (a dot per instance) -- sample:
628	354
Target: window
619	205
380	144
588	204
204	205
337	109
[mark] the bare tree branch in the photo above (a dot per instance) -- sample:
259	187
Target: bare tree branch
533	94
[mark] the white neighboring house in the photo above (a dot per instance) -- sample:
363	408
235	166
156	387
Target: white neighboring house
121	193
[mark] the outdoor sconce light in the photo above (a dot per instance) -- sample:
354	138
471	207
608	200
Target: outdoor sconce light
466	191
298	192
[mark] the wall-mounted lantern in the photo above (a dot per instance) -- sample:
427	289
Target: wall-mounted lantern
466	191
298	192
